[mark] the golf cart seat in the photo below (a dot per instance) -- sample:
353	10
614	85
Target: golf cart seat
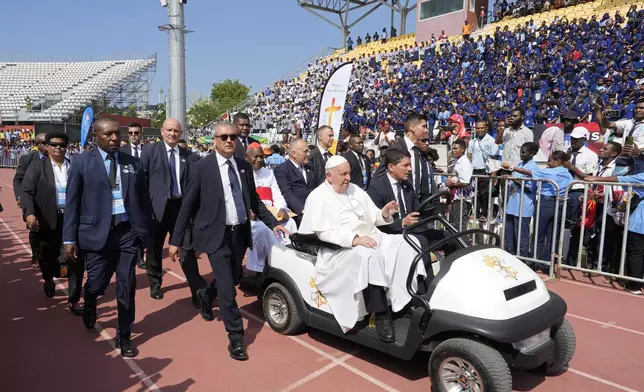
310	243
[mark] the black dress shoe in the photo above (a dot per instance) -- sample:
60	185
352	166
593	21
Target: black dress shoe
50	288
237	350
385	327
141	264
89	315
76	309
128	349
156	293
205	305
195	301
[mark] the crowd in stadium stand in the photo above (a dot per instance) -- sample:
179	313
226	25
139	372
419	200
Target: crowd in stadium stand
519	8
545	69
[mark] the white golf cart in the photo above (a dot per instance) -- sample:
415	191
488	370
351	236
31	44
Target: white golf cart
484	311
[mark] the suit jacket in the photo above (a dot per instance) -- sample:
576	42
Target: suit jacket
39	194
127	149
381	193
291	182
356	170
240	151
317	164
156	171
204	203
88	209
23	164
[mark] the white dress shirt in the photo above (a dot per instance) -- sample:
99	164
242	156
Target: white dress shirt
177	165
302	170
136	148
394	185
60	175
231	211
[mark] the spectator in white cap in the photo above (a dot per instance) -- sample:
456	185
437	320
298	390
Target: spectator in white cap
585	160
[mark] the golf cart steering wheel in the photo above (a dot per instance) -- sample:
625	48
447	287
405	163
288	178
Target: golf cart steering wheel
424	208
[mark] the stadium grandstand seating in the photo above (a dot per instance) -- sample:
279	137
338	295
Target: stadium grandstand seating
392	78
59	89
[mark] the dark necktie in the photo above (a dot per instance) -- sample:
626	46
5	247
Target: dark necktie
174	186
401	201
136	151
244	143
422	175
326	156
303	171
417	172
116	218
238	195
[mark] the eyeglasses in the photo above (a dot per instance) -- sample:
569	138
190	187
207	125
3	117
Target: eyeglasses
56	145
226	137
134	133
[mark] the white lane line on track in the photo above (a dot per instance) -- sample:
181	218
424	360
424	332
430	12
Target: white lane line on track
315	374
610	324
136	369
601	380
607	289
301	342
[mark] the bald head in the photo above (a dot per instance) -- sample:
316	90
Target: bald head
171	131
41	143
107	134
299	152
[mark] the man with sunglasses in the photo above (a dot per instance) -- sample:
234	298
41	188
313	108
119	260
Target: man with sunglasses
23	164
135	149
43	197
220	197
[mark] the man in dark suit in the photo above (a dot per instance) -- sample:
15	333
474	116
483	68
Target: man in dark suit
23	164
320	154
166	168
107	214
221	194
242	124
295	177
395	185
360	165
43	197
135	149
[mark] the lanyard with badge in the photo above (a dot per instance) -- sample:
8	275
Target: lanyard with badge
61	185
118	207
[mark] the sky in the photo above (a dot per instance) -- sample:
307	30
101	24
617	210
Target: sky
255	41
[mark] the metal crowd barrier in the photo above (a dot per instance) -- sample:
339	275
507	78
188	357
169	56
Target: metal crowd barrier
602	233
9	160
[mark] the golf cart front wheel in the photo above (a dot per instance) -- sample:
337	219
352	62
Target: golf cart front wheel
565	345
280	310
467	365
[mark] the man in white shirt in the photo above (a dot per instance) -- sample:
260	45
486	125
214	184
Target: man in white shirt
461	186
513	136
481	148
619	130
353	279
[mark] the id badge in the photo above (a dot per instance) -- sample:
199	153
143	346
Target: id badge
61	192
118	207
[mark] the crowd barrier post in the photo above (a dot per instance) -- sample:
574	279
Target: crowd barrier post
602	233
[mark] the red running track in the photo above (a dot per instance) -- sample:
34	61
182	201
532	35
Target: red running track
47	348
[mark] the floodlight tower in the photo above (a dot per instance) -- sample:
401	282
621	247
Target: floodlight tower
176	29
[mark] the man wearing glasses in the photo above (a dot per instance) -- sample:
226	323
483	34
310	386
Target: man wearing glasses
43	197
134	148
219	199
23	164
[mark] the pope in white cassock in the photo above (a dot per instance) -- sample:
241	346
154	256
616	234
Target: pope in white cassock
371	269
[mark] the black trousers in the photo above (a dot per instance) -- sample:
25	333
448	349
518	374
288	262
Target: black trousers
226	263
155	253
34	243
482	193
375	299
118	256
634	265
51	243
190	267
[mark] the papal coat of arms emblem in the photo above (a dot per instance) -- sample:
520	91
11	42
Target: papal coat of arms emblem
501	267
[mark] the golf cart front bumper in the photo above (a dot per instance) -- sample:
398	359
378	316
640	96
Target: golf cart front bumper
532	352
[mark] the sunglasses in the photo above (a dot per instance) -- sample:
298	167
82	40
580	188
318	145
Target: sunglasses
56	145
424	140
226	137
134	133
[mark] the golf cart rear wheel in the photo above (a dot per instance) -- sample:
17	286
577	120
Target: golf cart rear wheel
467	365
280	310
565	345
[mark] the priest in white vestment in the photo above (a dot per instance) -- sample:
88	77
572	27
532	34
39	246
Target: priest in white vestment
371	269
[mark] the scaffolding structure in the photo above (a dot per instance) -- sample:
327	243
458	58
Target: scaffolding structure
342	8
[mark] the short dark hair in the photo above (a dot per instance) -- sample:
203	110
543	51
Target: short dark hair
460	142
240	116
135	125
56	135
354	136
412	118
560	156
520	110
616	147
394	156
532	147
